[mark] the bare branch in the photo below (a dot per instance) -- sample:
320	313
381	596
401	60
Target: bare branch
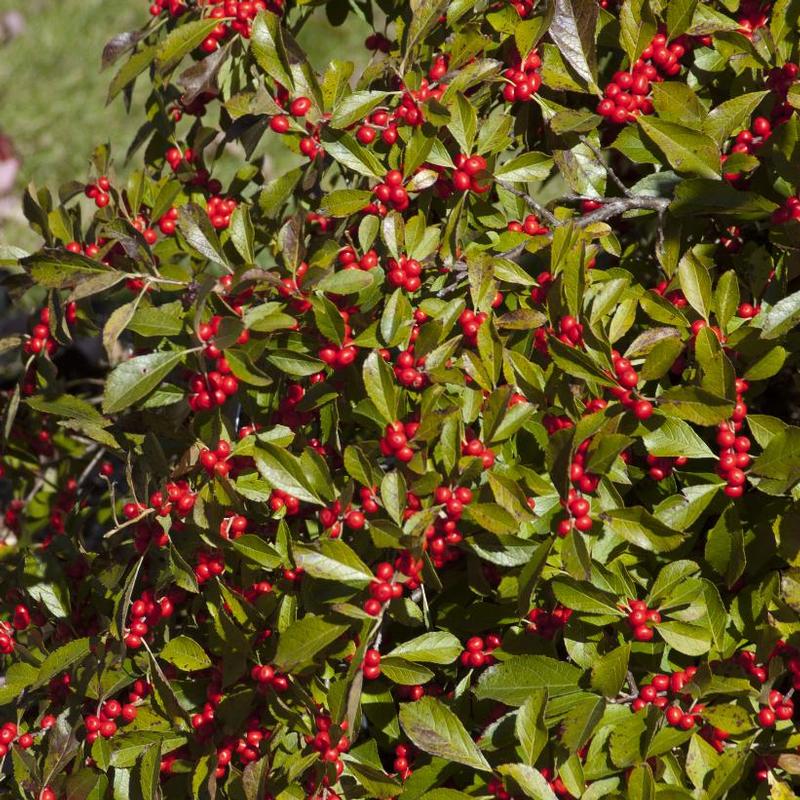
543	213
610	172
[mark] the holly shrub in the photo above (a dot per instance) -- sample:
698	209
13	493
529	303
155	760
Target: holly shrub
455	462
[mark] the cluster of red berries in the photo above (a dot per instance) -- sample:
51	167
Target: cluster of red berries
752	15
746	659
281	123
99	191
396	436
213	389
391	191
523	7
219	210
179	500
146	612
660	467
676	297
266	675
544	281
402	756
748	142
790	210
215	462
734	449
530	225
324	223
478	651
523	78
475	448
640	618
378	42
628	379
349	259
778	708
331	519
90	249
241	14
442	538
383	589
626	96
6	639
408	369
173	7
469	173
298	108
105	723
371	665
470	322
338	357
9	733
208	565
548	623
405	272
779	81
206	331
168	221
323	742
245	747
578	508
748	310
283	501
232	526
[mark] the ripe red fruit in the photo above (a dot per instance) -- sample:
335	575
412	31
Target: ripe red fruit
280	123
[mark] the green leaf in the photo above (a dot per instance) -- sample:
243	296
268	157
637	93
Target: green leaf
512	681
403	672
583	596
463	123
694	404
679	16
356	107
732	116
180	42
529	780
530	727
62	659
380	385
642	529
691	640
303	640
343	202
686	150
334	560
186	654
436	730
135	379
437	647
255	549
779	319
243	233
348	281
69	406
269	50
610	670
700	196
196	227
525	168
673	437
346	149
637	27
780	461
284	471
294	363
572	29
581	721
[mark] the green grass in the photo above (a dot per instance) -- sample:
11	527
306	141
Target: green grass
52	91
